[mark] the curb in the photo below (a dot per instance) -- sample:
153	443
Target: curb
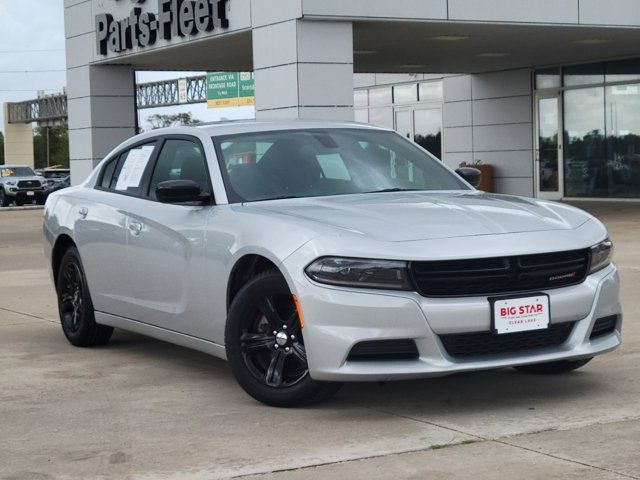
17	209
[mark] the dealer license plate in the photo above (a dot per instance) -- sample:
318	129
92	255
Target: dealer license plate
30	194
520	314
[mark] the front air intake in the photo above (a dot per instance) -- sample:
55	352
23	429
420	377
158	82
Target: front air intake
384	350
604	326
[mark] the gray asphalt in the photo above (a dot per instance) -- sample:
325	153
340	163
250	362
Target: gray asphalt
142	409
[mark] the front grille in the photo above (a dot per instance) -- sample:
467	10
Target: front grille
29	184
403	349
487	343
487	276
604	326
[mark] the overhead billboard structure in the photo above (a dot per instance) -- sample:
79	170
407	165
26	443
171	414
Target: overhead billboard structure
230	89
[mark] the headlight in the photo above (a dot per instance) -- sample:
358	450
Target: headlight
11	182
601	255
363	273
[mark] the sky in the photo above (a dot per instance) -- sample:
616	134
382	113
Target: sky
32	58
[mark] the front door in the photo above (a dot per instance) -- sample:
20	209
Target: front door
549	179
165	272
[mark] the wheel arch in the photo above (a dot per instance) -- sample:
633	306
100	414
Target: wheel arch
244	269
61	245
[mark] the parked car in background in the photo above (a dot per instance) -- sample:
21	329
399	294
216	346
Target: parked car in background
20	184
54	178
313	253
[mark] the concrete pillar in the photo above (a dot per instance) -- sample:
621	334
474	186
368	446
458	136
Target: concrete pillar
304	69
101	99
489	117
18	142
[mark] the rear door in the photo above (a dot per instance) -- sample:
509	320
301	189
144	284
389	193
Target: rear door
101	225
165	245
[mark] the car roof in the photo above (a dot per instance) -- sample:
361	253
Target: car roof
248	126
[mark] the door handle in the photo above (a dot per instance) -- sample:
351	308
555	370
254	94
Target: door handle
135	228
83	211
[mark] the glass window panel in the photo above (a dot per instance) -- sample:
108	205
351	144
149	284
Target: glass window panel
405	93
548	78
403	124
180	160
548	143
361	115
380	96
360	98
585	159
584	74
383	117
128	175
623	70
428	130
431	91
623	141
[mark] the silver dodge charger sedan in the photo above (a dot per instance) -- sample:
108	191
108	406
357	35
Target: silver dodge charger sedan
312	253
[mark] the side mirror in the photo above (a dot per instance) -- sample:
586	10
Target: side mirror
472	176
179	191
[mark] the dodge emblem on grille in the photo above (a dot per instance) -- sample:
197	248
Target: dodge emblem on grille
562	277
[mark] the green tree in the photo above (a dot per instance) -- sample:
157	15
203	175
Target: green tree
58	146
162	121
1	149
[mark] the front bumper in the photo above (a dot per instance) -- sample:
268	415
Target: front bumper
336	319
25	195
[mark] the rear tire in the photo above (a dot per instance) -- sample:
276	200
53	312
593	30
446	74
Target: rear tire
553	368
74	304
262	316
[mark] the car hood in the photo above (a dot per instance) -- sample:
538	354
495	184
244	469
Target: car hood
410	216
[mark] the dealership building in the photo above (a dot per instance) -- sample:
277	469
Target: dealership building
546	93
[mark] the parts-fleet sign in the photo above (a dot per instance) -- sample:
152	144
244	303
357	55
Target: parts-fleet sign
174	18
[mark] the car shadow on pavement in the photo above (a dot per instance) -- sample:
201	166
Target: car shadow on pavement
474	392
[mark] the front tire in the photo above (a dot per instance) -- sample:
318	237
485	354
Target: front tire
553	368
74	304
265	346
4	201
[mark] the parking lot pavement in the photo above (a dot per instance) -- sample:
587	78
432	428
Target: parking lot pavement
143	409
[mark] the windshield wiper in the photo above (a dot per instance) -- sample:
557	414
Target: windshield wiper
385	190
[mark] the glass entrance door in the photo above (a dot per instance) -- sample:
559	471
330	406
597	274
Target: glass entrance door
549	171
423	126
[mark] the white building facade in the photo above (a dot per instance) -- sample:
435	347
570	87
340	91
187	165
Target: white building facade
546	92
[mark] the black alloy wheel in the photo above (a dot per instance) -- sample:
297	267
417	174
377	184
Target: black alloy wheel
74	304
265	345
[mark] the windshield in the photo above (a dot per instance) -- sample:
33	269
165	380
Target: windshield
319	162
6	171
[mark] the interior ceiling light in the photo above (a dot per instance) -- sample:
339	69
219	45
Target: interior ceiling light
493	54
591	41
450	38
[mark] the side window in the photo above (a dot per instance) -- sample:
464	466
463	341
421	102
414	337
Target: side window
107	172
180	160
128	173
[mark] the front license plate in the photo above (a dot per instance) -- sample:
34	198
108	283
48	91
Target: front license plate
520	314
30	194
